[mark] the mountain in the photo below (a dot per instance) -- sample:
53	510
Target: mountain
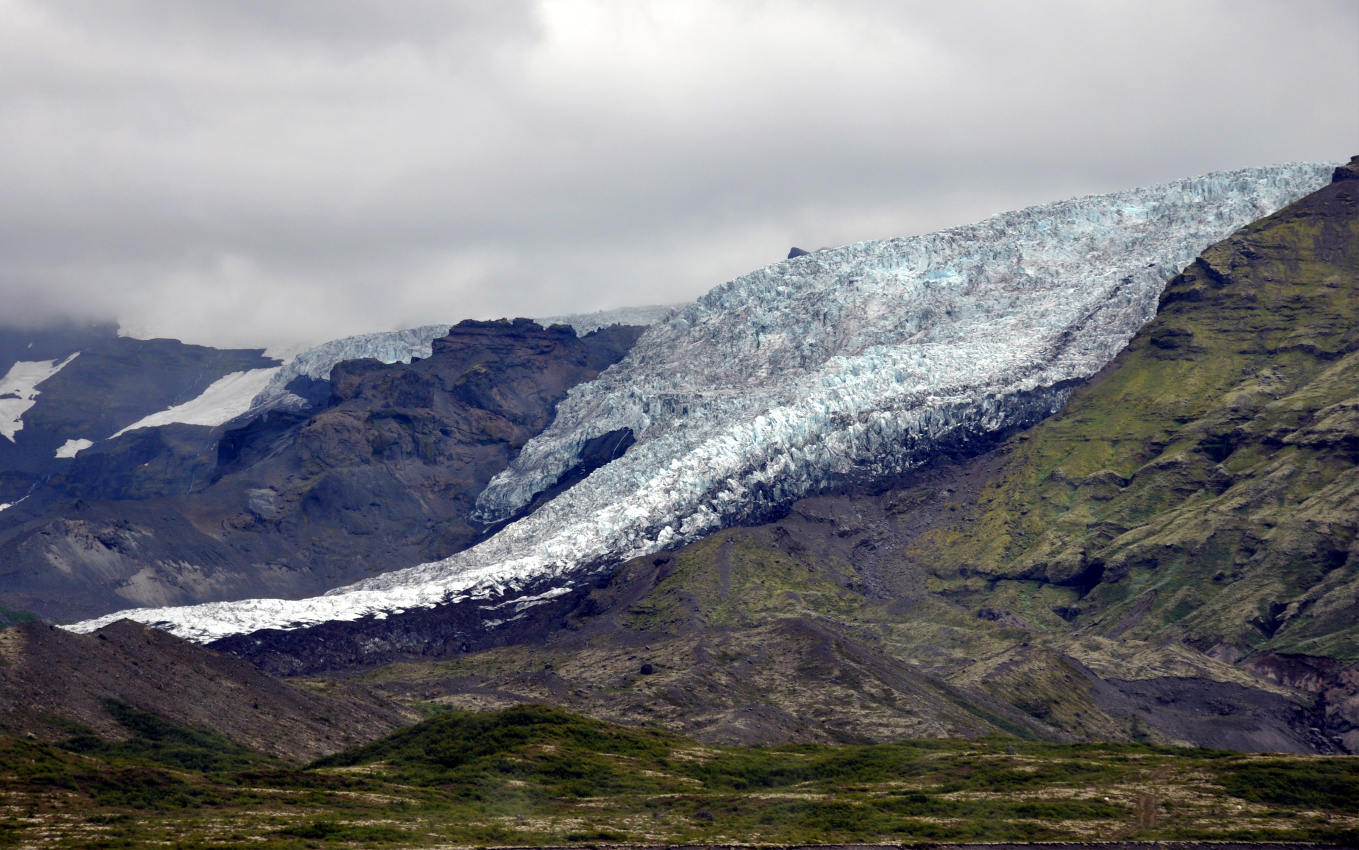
1171	557
832	369
1203	487
66	388
877	527
319	480
53	682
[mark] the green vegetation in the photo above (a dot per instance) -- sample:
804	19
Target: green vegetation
1328	784
10	617
159	741
534	775
1203	488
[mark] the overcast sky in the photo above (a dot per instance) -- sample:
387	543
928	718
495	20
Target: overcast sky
252	172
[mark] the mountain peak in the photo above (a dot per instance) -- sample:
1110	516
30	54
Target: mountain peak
1348	171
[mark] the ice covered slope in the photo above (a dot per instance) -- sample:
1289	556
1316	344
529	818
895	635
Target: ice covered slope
842	362
853	362
584	323
316	363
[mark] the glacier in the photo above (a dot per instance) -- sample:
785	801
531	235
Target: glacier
584	323
316	362
847	364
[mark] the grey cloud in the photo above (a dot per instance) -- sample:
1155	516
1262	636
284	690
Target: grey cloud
238	172
332	25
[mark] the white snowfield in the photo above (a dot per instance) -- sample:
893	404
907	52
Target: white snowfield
843	364
19	391
71	448
225	398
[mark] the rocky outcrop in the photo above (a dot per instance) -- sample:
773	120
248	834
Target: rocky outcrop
293	387
50	678
1348	171
290	503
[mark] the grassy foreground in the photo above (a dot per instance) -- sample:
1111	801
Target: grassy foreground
537	775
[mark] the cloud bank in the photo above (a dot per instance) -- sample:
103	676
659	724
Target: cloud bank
245	172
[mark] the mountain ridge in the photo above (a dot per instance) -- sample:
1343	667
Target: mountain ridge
52	679
1168	559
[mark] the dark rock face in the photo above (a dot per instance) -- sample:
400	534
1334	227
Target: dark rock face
1333	684
114	382
288	504
1348	171
442	632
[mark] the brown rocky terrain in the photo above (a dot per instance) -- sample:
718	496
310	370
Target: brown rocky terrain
51	678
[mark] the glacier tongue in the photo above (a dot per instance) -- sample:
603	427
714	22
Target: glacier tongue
807	370
316	363
849	363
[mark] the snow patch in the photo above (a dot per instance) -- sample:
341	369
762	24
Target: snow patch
71	448
226	398
19	391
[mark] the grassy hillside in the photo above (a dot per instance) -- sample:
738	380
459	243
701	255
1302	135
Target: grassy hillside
535	775
1204	487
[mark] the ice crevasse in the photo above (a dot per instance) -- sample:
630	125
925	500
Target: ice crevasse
844	364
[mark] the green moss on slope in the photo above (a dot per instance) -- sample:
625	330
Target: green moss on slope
536	776
1203	487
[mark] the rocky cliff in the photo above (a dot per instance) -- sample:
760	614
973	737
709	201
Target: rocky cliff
290	502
